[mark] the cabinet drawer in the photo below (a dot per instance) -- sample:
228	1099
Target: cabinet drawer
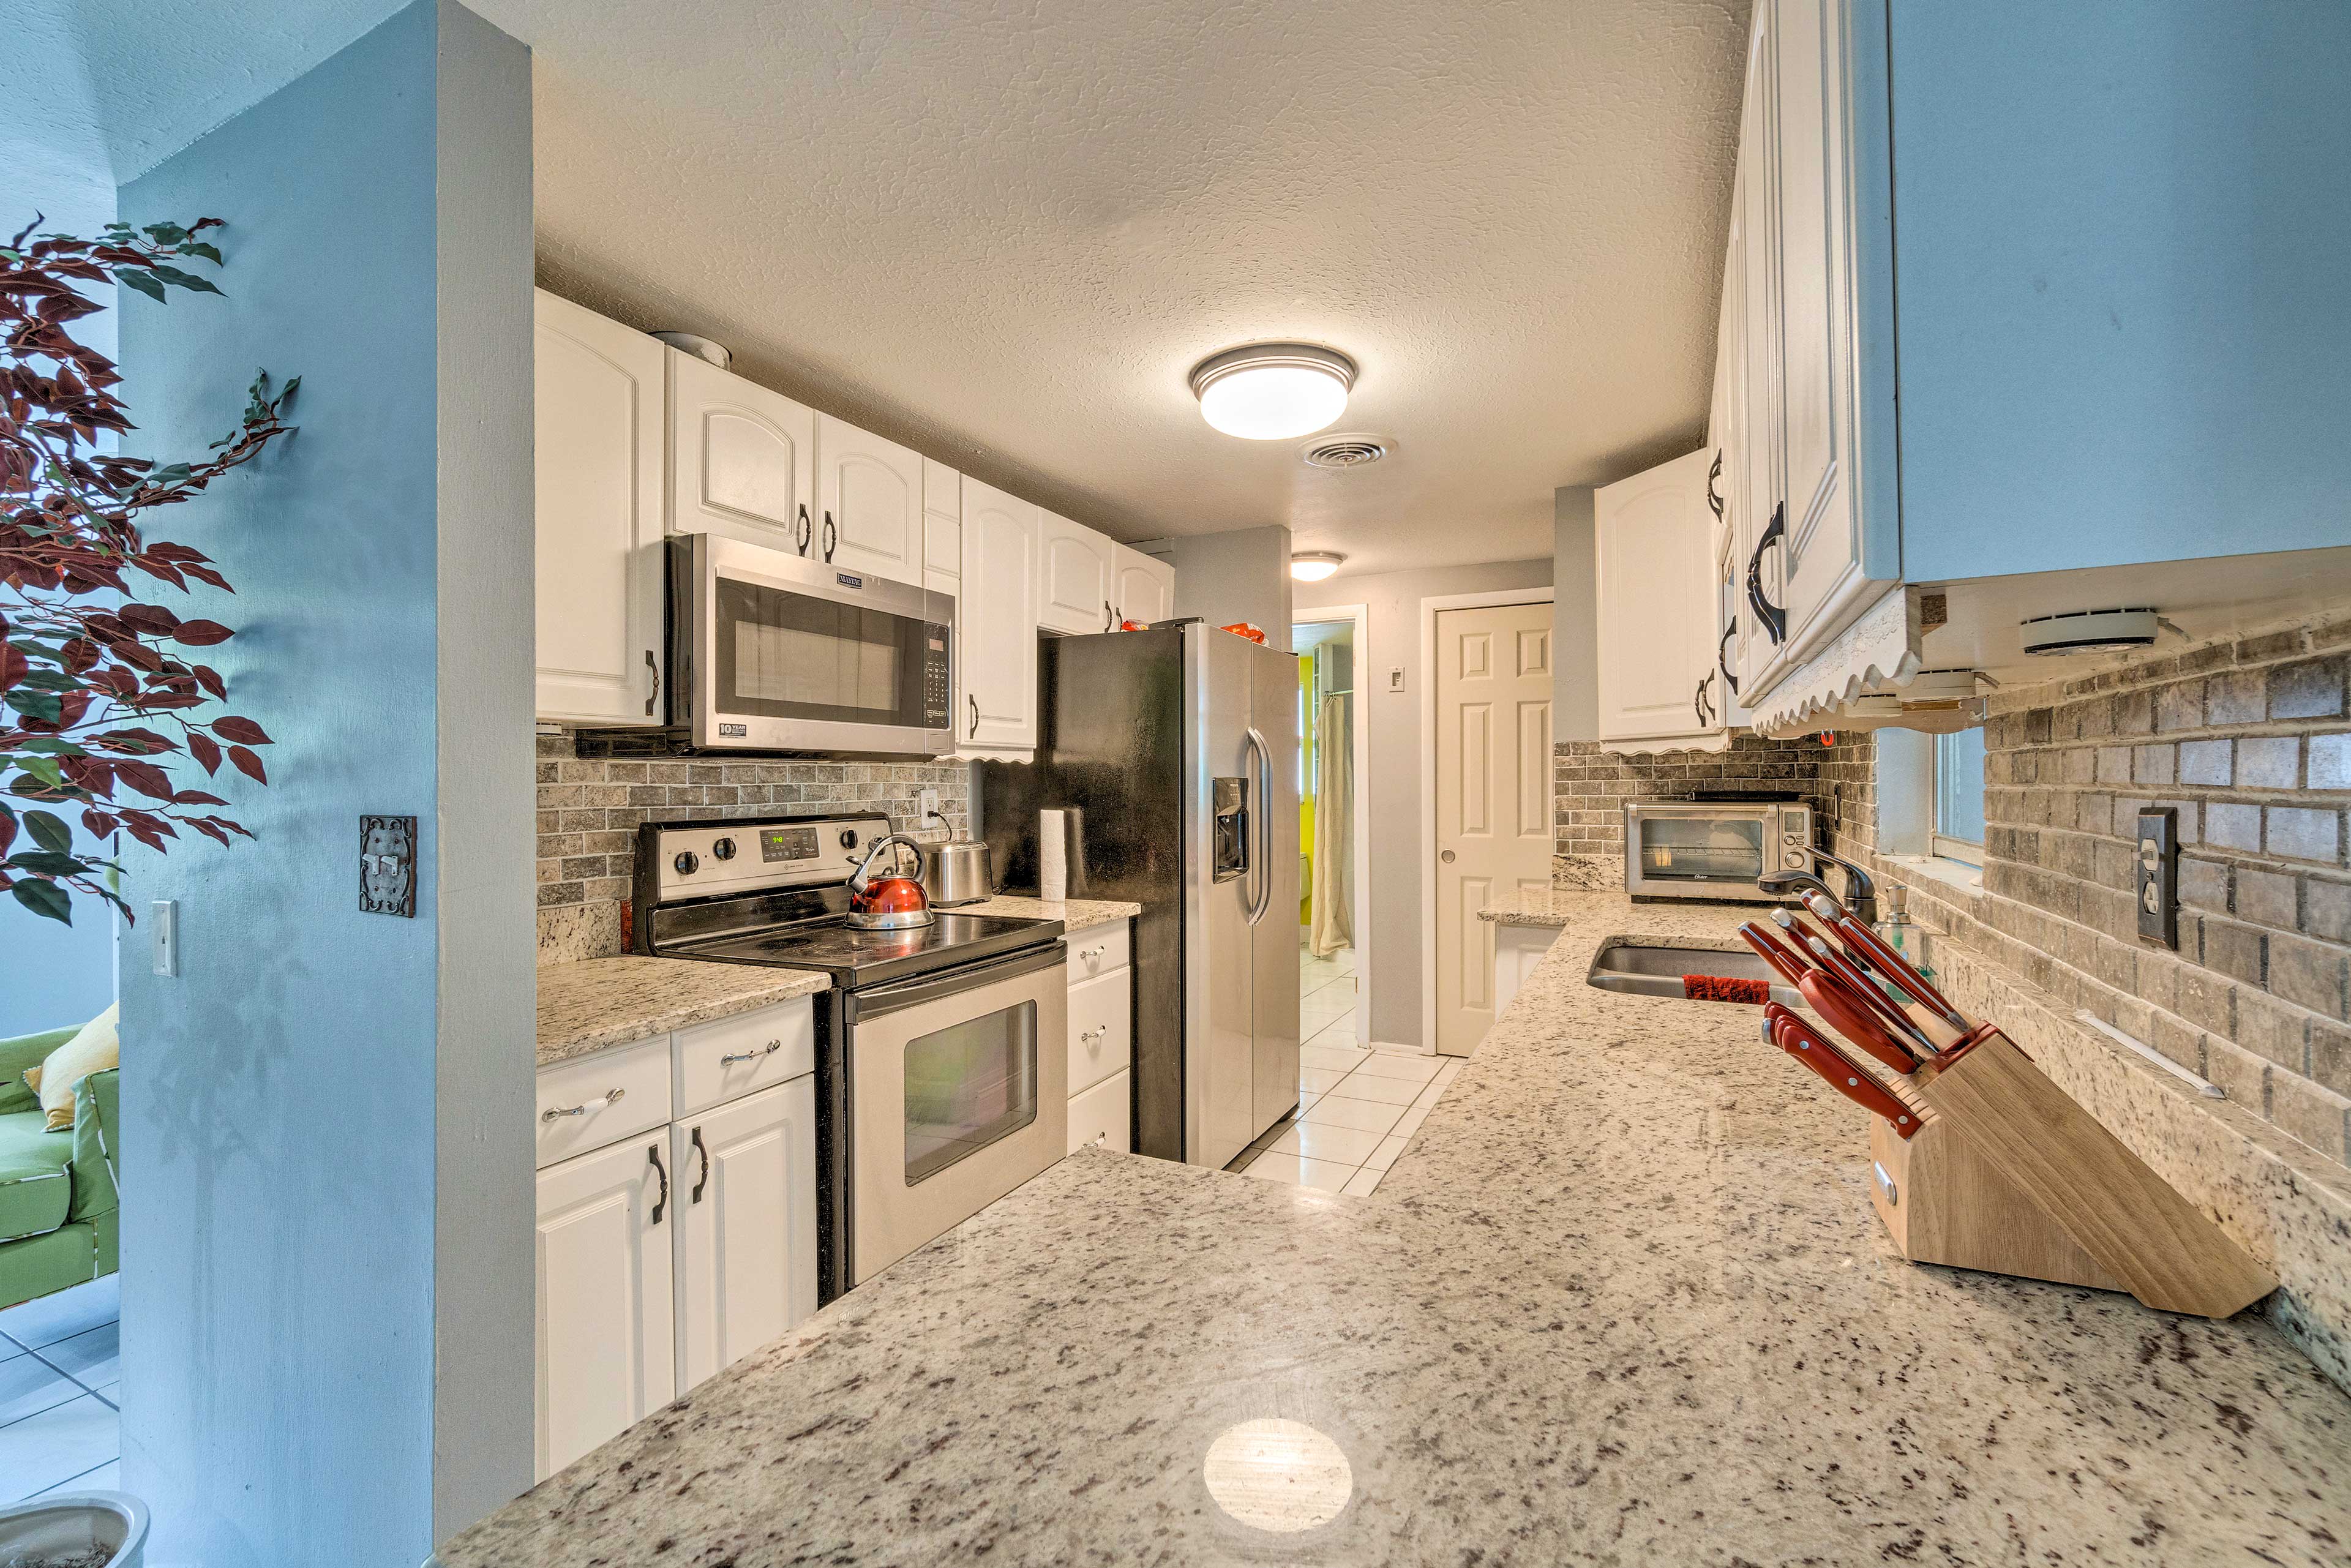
1099	1115
731	1057
1102	1030
1099	951
601	1098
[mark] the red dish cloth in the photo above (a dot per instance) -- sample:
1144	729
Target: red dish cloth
1723	988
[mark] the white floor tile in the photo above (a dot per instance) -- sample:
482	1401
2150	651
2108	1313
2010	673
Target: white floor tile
59	1444
1319	1079
1337	1058
1360	1184
1395	1064
1386	1090
1271	1167
29	1386
1386	1154
108	1476
1367	1115
1347	1146
1326	1176
1408	1124
45	1320
1449	1072
90	1358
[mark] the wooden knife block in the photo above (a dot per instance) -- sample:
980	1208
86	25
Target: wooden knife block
2012	1176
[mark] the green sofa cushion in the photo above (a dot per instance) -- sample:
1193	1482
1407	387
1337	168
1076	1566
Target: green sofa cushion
67	1256
24	1052
97	1100
36	1185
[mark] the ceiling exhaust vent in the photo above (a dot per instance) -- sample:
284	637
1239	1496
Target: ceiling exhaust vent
1344	452
2092	632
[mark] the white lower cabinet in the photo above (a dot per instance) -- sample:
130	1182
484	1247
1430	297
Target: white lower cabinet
746	1226
1101	1038
607	1354
692	1243
1102	1114
1517	950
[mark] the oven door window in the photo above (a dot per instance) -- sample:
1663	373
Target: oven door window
1698	849
967	1085
782	654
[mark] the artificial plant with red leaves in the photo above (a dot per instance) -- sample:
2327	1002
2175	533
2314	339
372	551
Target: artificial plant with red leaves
101	699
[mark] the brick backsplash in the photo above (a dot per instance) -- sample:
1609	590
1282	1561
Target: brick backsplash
1591	787
589	810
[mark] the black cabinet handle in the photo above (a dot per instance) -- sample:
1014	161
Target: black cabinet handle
831	536
974	715
1713	499
652	1152
1722	658
801	532
704	1179
654	670
1110	617
1774	620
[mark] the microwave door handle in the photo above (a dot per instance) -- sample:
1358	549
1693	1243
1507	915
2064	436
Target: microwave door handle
1264	898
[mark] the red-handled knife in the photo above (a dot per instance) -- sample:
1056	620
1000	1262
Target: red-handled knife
1798	1039
1898	1026
1851	1016
1791	965
1893	965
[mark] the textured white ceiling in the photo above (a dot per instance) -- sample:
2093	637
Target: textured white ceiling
1001	230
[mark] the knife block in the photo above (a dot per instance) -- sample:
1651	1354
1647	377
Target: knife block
1942	1202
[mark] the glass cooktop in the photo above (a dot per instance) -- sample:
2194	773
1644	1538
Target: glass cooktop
857	958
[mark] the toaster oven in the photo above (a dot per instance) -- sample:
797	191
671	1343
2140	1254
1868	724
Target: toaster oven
1713	849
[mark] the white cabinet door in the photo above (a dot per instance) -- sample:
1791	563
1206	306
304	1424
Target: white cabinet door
868	503
1755	472
742	458
1073	577
607	1351
942	527
1653	542
599	397
745	1180
1145	588
996	708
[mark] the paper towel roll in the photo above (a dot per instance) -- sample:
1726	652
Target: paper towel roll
1053	857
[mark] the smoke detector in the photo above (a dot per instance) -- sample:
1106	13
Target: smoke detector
1344	452
2091	632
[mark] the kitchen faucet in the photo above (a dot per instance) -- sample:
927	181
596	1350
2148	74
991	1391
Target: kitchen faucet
1860	892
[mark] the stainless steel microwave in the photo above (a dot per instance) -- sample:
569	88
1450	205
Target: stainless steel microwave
1713	849
774	652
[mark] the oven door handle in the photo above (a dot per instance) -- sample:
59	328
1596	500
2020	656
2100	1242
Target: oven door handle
882	1001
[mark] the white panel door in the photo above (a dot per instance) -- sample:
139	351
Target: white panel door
742	458
745	1174
1652	540
1073	577
868	503
607	1354
600	431
1494	835
997	616
942	527
1144	589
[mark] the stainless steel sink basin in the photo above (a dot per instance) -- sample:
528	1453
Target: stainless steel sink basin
1642	968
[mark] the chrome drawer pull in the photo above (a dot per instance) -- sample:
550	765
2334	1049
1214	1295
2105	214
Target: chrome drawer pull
731	1058
1094	952
1092	1033
581	1109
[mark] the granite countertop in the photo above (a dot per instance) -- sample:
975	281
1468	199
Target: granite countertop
1074	913
1622	1300
599	1002
1538	907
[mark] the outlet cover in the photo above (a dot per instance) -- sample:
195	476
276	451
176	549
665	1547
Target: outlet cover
2158	876
388	865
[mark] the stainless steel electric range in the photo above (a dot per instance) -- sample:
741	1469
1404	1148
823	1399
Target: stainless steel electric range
941	1085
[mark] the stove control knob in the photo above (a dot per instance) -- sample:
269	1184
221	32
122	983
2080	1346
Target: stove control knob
724	849
848	838
687	862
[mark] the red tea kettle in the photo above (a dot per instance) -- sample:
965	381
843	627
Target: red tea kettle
891	902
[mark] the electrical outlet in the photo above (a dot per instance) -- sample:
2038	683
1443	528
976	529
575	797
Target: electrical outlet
2158	876
163	936
928	801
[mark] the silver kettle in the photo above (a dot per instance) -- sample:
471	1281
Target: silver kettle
955	872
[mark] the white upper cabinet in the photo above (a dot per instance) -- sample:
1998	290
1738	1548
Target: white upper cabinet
1073	577
1653	537
599	436
942	527
996	707
1144	588
742	458
868	503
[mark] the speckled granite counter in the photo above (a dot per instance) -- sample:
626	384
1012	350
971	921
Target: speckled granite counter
1074	913
601	1002
1622	1301
1552	906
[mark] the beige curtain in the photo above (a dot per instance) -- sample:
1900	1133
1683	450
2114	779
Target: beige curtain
1331	913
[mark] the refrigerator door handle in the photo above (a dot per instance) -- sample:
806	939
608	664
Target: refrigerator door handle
1265	825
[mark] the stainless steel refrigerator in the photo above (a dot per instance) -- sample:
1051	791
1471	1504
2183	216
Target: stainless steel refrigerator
1174	753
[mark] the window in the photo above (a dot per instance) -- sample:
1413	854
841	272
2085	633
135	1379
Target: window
1958	790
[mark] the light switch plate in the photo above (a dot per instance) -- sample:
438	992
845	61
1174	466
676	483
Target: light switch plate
388	865
163	936
2158	876
1395	678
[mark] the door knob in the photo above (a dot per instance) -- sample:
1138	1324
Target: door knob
1446	857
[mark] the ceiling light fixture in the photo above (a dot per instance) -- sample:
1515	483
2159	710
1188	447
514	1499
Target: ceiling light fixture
1272	391
1314	565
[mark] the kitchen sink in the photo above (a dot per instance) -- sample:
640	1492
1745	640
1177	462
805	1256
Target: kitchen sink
1644	969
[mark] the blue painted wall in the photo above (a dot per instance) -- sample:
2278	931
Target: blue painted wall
2120	254
286	1209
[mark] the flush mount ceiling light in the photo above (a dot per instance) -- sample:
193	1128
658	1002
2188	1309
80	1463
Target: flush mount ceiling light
1314	565
1272	391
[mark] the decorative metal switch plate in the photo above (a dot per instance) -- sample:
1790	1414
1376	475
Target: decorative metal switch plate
388	865
2158	876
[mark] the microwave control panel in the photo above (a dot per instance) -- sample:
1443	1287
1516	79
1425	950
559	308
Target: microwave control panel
938	676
